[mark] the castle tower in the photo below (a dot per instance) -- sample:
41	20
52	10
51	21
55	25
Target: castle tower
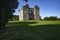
24	13
21	15
36	13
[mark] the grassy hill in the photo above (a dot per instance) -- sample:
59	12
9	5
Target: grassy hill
32	30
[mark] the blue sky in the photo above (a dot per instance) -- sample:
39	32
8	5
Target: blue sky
47	7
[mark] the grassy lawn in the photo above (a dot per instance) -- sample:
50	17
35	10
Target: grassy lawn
31	30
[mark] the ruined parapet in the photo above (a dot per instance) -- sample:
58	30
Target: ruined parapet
36	13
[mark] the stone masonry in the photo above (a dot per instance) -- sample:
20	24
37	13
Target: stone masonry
27	13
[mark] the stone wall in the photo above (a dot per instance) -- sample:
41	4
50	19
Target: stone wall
27	13
36	13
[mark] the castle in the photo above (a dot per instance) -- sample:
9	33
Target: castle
27	13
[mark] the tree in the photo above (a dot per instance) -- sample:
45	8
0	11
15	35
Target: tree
40	18
7	7
25	0
14	18
58	18
46	18
50	18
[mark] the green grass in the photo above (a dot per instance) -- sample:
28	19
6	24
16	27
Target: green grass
32	30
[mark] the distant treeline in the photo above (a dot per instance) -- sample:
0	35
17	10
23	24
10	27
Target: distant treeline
51	18
16	17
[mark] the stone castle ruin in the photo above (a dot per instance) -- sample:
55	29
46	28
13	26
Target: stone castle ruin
27	13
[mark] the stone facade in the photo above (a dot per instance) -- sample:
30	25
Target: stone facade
27	13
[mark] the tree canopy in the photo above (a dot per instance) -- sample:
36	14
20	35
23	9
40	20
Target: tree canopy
25	0
7	8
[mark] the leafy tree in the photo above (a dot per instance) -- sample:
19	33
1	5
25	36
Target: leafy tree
58	18
46	18
14	18
40	18
25	0
50	18
7	7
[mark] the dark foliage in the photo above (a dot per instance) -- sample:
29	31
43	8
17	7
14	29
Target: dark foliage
50	18
14	18
25	0
58	18
7	8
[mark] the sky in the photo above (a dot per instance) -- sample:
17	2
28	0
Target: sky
47	7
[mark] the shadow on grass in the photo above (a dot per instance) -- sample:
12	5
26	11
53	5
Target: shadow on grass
24	31
20	24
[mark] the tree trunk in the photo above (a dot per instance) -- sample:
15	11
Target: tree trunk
3	18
